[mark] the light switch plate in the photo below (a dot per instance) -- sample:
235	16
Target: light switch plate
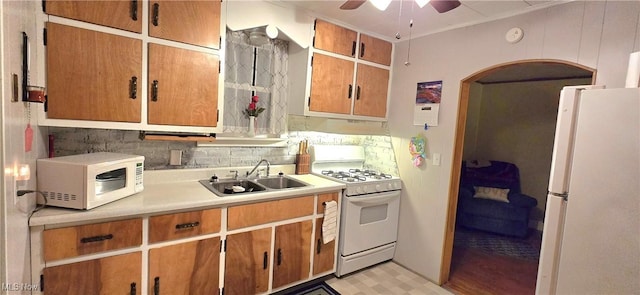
436	159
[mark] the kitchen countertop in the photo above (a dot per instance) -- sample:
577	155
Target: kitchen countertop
177	190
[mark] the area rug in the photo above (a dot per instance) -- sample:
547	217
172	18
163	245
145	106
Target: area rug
320	288
525	248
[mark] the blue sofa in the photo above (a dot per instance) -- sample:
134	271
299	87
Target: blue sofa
499	216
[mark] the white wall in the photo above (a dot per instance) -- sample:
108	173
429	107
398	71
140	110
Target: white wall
596	34
18	17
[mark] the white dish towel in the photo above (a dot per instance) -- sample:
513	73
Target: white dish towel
329	221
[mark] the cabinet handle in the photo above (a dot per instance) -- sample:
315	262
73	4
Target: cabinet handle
96	239
187	225
279	256
353	48
133	289
361	49
156	14
134	9
265	260
156	286
319	246
154	90
350	91
358	92
133	87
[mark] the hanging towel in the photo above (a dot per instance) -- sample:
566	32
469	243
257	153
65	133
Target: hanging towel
329	221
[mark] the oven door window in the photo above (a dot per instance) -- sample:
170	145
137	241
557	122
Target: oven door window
373	213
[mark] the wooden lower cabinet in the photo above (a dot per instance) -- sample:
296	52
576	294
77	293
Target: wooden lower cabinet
186	268
323	254
247	262
118	274
292	246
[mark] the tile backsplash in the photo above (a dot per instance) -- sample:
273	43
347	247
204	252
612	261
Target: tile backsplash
71	141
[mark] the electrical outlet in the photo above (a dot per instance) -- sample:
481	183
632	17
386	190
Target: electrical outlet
176	158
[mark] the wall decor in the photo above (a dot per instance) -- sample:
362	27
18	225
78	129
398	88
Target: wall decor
428	96
417	148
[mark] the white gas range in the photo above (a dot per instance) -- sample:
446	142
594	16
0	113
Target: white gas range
370	206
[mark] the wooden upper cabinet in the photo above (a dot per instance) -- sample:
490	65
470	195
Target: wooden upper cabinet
183	87
186	268
120	274
122	14
375	50
334	38
247	262
331	84
291	258
92	75
192	22
371	92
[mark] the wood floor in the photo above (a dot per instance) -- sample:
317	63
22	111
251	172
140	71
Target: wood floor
475	272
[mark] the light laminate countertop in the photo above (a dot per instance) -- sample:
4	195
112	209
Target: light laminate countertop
168	191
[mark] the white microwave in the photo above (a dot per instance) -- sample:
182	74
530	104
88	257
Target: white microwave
90	180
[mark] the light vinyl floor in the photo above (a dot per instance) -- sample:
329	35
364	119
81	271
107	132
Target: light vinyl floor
386	278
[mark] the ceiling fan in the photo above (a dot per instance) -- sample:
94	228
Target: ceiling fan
440	5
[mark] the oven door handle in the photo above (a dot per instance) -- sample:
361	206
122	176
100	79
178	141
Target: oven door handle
369	200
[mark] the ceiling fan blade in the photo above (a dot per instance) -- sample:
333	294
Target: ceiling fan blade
352	4
444	5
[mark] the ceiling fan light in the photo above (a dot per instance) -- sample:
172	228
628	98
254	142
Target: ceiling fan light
422	3
381	4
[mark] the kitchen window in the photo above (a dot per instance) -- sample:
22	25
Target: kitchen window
255	70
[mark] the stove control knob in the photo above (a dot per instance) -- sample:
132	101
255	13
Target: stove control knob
378	188
359	190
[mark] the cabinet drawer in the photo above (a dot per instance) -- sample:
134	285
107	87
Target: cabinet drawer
73	241
265	212
183	225
325	198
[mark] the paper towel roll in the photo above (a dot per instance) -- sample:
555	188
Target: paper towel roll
633	72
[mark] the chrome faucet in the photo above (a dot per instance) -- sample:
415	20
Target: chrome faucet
256	167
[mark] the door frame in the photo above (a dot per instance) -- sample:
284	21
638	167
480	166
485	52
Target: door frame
454	180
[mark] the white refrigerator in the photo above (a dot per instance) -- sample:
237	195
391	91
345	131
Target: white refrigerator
591	234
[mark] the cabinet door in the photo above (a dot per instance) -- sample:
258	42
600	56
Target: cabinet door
247	262
375	50
292	246
193	22
331	84
92	75
126	15
183	87
324	254
187	268
110	275
371	92
334	38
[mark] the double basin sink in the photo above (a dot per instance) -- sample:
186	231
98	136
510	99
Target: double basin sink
230	187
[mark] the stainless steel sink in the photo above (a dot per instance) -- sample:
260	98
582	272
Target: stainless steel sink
280	182
224	188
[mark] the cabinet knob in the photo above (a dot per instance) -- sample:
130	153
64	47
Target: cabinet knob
133	87
187	225
350	91
154	90
156	14
156	286
319	245
134	9
361	49
96	239
353	48
133	289
279	256
358	92
265	260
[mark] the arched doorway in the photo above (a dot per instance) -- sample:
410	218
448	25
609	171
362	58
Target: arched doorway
525	70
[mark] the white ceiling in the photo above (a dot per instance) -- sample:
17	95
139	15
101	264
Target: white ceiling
396	18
